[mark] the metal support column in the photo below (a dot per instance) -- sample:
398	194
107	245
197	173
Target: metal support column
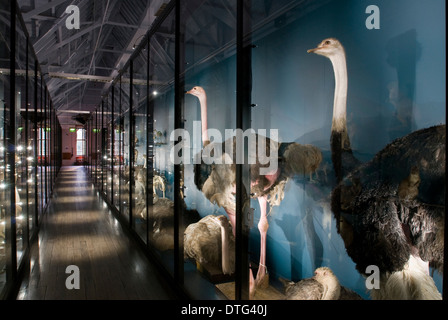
244	91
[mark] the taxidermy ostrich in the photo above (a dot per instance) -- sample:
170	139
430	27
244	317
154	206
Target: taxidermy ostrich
210	242
390	211
324	285
218	184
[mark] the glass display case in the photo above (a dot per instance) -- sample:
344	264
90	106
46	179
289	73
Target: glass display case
5	190
365	85
117	146
110	146
161	113
139	106
98	149
106	150
127	140
260	143
38	135
210	114
31	131
29	147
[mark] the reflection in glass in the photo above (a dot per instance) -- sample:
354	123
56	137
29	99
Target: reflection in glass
210	103
4	110
160	117
30	145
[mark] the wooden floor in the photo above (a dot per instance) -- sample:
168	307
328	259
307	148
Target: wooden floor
79	230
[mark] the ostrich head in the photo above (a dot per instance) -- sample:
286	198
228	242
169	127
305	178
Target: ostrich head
328	48
322	272
197	91
328	280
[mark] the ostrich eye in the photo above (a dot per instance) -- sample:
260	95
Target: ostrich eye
328	42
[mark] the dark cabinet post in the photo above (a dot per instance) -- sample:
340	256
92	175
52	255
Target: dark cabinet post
243	106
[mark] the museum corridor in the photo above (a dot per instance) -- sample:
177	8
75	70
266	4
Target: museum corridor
79	230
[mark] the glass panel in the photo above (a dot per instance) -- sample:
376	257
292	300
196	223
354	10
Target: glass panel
30	149
161	213
210	110
21	142
47	147
110	137
139	91
90	145
118	147
126	115
43	153
105	159
396	86
5	190
94	146
97	131
38	144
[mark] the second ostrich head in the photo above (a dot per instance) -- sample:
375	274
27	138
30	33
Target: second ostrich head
197	91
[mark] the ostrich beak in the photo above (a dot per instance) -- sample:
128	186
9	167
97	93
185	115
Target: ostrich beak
313	50
188	92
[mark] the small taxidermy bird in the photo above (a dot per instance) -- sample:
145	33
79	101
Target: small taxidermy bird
324	285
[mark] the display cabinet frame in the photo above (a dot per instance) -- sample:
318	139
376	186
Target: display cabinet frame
35	181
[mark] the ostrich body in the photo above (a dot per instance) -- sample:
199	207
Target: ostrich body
218	183
324	285
210	241
380	222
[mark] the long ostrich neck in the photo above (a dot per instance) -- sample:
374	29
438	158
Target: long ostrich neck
339	123
203	103
332	288
225	250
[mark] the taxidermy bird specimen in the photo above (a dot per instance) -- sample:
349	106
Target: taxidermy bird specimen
217	181
211	242
324	285
390	211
